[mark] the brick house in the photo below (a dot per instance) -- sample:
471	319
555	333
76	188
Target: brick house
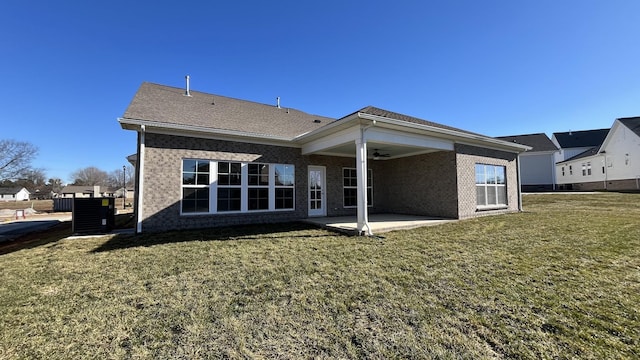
206	160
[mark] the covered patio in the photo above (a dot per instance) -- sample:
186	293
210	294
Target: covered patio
379	223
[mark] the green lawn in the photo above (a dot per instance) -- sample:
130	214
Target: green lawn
561	280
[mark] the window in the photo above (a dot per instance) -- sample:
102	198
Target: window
195	186
563	171
258	187
589	168
491	189
350	187
284	190
570	169
227	186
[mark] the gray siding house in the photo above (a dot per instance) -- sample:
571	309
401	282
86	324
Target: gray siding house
206	160
537	166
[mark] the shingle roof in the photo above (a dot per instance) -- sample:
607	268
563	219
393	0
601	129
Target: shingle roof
165	104
372	110
576	139
539	142
10	190
633	123
74	189
590	152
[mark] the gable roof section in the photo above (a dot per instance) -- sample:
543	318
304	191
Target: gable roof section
166	106
372	110
577	139
11	190
587	153
84	189
538	142
633	123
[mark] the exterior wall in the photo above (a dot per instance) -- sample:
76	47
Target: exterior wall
8	197
537	171
597	175
623	154
163	180
418	185
466	158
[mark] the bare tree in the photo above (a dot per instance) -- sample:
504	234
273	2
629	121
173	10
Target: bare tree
15	158
116	177
55	184
90	176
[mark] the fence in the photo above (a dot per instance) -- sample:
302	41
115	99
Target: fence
62	204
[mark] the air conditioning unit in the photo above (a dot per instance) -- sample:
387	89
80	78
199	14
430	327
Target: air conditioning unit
93	215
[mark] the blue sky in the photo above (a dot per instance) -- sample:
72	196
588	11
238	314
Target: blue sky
69	68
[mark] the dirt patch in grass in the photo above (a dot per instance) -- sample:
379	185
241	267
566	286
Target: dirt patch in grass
560	280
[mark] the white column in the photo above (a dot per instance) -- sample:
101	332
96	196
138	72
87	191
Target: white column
361	172
140	185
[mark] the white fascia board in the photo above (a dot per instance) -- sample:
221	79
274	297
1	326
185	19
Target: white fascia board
610	134
452	134
389	136
339	138
205	133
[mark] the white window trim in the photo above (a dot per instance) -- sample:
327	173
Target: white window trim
493	186
244	189
183	186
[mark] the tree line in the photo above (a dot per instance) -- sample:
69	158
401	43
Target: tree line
16	169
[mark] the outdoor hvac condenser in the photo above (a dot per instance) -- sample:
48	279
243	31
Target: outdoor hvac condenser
93	215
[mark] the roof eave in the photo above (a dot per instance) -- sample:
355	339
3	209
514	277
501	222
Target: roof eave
456	135
136	124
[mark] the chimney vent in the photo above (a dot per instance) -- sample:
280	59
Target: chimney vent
187	91
278	102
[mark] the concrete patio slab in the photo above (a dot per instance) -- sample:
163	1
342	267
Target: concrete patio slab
379	223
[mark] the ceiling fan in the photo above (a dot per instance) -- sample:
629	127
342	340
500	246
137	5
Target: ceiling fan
377	155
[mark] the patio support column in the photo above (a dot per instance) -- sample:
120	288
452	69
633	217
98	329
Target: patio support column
361	172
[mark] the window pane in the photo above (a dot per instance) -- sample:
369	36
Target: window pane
189	178
284	198
491	174
491	195
223	168
258	199
502	195
480	174
189	165
195	200
203	179
500	176
228	199
350	197
203	166
480	195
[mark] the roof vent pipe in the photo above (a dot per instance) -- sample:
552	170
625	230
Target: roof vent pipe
278	102
187	92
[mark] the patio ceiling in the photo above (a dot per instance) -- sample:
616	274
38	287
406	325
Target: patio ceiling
387	151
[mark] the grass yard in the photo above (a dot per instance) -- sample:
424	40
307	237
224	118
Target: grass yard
561	280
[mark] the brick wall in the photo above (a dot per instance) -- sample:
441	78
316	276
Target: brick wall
466	158
163	180
418	185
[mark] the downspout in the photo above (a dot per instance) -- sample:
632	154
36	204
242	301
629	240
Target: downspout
362	172
140	185
519	184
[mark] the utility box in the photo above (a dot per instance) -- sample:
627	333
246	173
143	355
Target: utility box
93	215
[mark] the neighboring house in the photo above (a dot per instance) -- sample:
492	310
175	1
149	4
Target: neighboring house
80	191
573	143
16	193
614	165
130	192
537	166
205	160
